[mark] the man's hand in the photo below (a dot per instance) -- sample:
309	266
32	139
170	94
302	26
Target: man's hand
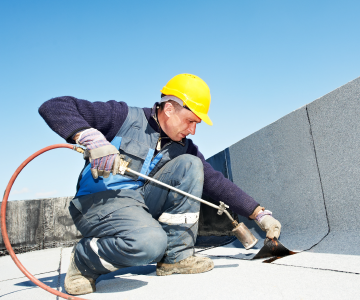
269	224
104	157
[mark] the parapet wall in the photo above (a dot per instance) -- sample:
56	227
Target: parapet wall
39	224
304	167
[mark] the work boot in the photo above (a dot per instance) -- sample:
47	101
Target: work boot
75	282
190	265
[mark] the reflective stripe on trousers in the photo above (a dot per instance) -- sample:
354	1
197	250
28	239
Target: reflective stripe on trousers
177	219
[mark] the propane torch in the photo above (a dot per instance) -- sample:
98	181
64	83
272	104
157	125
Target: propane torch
243	233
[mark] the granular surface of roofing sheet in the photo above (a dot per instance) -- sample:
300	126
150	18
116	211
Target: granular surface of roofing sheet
305	168
335	125
277	167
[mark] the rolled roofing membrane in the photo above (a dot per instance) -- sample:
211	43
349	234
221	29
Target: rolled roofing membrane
305	168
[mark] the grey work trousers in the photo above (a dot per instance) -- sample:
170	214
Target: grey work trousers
123	228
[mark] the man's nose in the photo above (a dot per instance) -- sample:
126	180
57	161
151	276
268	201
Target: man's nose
192	128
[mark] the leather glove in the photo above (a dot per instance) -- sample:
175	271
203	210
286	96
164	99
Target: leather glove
104	157
269	224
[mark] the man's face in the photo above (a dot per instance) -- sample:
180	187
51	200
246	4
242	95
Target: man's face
180	123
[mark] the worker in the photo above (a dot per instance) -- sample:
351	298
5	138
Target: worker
125	220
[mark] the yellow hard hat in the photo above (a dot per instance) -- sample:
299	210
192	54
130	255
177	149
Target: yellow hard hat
193	91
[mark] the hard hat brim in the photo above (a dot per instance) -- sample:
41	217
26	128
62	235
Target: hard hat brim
204	117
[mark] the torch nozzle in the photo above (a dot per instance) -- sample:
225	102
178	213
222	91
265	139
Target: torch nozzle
244	235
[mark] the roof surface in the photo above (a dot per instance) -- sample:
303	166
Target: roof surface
300	276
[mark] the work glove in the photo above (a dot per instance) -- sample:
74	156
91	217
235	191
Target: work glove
103	156
269	224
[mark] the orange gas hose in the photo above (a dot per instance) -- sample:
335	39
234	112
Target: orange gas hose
3	222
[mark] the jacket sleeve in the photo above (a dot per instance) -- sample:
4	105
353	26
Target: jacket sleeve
222	189
68	115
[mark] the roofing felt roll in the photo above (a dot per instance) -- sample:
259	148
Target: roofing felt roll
305	168
335	126
277	167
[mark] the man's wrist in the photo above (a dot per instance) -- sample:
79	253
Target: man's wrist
76	136
257	210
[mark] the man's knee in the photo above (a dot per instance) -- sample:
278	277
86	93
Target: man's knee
193	166
193	161
146	245
154	245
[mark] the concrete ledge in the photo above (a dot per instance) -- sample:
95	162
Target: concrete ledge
39	224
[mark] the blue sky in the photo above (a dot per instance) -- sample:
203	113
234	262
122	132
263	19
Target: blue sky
261	60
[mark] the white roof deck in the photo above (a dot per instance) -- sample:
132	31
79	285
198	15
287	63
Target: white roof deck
302	276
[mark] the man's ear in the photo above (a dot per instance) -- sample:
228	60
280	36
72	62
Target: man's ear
168	109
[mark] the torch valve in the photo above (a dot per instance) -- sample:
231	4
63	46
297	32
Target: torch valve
123	165
222	208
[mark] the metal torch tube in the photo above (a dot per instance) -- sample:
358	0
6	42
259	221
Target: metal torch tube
240	231
177	190
229	216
